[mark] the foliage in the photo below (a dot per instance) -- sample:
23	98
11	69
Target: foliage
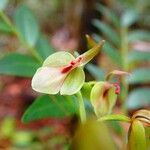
61	75
120	38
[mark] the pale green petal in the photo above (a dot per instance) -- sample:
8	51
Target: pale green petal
73	82
48	80
58	59
101	101
90	54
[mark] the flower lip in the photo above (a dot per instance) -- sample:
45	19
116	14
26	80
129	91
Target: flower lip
73	64
117	86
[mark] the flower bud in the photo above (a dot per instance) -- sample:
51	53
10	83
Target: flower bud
103	98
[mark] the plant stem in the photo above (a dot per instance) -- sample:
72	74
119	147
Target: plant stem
82	111
15	32
124	51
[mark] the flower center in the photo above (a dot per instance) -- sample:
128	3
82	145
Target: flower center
73	64
117	86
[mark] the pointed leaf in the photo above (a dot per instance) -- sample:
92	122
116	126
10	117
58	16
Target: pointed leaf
4	27
96	72
18	64
108	31
139	76
139	35
27	25
129	17
137	56
115	117
109	14
138	98
137	137
142	115
73	82
110	51
43	47
50	106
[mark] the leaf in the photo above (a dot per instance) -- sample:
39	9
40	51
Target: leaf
110	51
139	35
73	82
96	72
129	17
27	25
137	137
43	47
136	56
3	4
139	76
4	27
50	106
108	31
109	14
139	97
115	117
142	115
18	64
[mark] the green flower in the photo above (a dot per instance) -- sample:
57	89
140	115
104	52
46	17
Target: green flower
103	98
62	72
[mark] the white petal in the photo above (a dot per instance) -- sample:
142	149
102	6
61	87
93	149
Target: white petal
48	80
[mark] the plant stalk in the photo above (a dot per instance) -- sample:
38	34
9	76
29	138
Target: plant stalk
82	111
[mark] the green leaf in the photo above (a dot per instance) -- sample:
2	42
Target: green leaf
109	14
27	25
129	17
138	98
43	47
18	64
139	76
115	118
3	4
108	31
110	51
51	106
139	35
137	137
73	82
96	72
136	56
4	27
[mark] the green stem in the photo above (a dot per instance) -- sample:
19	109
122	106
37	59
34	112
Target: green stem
15	32
124	51
82	111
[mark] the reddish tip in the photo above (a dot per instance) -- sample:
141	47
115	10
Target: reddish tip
117	86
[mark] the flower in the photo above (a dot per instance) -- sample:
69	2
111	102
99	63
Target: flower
103	97
62	72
